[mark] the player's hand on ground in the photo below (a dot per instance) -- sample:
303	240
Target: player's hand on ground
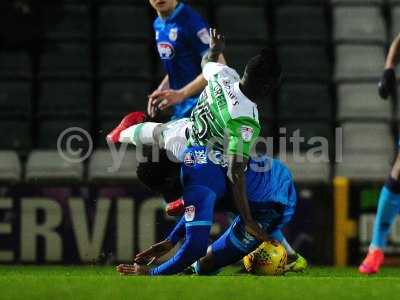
387	84
135	269
253	228
217	42
157	250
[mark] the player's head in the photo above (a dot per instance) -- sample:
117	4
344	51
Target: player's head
262	74
162	177
163	7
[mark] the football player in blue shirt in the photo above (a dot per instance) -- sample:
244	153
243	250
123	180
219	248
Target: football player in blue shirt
204	183
272	198
182	38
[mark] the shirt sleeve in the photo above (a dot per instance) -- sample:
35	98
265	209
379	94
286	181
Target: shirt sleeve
212	68
242	133
198	35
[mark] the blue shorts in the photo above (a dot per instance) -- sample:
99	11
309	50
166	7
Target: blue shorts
204	182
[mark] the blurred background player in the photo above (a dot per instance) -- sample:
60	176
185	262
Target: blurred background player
389	199
182	39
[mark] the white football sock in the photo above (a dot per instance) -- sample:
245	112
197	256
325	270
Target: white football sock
140	133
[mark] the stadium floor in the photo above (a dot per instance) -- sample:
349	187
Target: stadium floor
58	282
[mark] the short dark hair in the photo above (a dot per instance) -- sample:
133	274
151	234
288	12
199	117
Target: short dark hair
264	72
162	176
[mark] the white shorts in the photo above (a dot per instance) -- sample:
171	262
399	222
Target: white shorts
175	137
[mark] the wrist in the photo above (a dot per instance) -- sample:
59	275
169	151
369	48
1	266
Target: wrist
183	94
214	54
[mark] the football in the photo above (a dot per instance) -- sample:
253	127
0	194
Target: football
269	258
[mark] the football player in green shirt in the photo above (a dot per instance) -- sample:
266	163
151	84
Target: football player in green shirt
225	120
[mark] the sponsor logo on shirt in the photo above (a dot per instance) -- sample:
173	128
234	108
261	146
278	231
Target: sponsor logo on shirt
204	36
189	160
218	158
247	133
197	157
173	34
190	213
166	50
229	90
201	157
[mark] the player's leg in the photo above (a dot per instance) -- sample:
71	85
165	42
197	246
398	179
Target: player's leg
171	136
134	130
296	262
146	133
388	208
236	242
226	250
129	120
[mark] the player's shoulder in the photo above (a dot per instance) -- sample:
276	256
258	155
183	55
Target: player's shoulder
281	170
214	68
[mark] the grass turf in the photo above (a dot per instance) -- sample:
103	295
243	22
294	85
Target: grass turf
87	282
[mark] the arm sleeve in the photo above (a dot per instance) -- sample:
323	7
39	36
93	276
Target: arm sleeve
242	133
194	247
178	232
198	35
212	68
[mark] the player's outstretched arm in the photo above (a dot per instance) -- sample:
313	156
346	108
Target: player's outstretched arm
162	99
217	47
157	250
237	180
387	84
154	252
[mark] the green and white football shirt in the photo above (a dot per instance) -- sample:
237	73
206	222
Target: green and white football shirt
224	116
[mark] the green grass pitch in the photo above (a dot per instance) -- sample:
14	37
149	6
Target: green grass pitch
92	282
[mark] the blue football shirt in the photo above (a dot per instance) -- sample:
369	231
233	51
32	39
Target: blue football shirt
182	40
270	181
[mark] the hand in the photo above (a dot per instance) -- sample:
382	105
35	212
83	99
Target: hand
255	230
160	100
157	250
135	269
217	42
387	85
152	109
